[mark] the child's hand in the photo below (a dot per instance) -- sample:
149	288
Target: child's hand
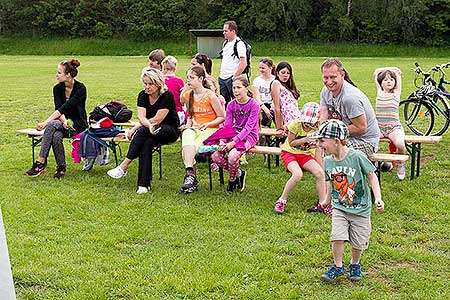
379	205
228	146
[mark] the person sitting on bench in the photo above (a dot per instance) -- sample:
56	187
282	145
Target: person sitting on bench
70	103
158	125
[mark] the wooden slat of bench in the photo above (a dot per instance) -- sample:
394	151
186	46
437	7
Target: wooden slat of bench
31	131
265	150
126	124
267	131
388	157
418	139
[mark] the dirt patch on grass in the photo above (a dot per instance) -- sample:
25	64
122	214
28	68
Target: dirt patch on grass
375	269
427	158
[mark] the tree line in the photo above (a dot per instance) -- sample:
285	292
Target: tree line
413	22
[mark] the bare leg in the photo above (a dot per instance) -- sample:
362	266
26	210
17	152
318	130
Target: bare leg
315	168
356	255
338	252
296	176
188	155
398	138
125	163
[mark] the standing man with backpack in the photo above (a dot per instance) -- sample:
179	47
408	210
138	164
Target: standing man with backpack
234	59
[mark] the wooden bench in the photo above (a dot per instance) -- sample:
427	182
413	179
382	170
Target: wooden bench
379	158
413	145
113	144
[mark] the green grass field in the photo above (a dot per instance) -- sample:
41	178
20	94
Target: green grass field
88	236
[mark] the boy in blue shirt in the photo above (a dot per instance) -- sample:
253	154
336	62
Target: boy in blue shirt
348	171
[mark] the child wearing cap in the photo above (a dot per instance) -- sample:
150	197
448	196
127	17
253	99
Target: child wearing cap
348	171
299	154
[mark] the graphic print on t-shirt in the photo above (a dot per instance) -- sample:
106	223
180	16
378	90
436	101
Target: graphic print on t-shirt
346	191
333	113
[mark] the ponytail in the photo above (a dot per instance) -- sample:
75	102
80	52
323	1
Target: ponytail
191	104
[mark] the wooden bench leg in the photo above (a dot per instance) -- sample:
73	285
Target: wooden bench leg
34	143
414	151
113	146
221	180
378	171
158	149
418	146
208	161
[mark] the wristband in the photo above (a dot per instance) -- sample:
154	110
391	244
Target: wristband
280	129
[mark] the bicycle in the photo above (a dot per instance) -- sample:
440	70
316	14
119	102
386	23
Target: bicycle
427	111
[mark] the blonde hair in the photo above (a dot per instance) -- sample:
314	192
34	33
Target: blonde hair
169	63
156	77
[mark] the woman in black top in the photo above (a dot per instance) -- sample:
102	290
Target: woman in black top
70	103
158	125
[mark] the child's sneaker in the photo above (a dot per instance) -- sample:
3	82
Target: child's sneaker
190	184
241	180
279	206
386	166
332	273
319	208
37	169
354	272
60	172
401	171
231	186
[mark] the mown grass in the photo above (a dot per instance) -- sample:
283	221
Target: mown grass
122	47
90	237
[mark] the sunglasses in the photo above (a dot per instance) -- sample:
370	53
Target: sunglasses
337	177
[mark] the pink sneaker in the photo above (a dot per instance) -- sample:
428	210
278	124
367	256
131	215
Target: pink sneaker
401	171
279	206
327	210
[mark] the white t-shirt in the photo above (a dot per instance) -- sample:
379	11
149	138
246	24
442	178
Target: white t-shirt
264	89
230	62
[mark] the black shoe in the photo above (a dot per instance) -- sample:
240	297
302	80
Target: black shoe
241	180
386	166
232	186
314	208
37	169
60	172
190	184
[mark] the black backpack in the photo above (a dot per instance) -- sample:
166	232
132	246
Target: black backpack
115	110
248	54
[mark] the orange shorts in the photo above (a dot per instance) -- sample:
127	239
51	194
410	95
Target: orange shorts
289	157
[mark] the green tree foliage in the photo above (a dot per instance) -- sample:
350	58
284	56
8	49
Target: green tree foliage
422	22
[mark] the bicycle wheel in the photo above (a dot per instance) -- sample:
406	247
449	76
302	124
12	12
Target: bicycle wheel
417	116
441	115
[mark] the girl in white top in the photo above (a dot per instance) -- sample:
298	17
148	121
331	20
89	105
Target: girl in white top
262	89
285	98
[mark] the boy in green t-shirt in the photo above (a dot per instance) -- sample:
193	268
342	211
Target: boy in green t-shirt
348	171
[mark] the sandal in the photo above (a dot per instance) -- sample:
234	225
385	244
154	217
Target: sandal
117	172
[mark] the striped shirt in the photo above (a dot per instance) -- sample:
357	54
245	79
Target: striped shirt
387	109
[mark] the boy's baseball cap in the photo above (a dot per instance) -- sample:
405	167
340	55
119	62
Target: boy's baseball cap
309	113
331	129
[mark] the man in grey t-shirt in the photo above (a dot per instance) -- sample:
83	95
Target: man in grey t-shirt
351	106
